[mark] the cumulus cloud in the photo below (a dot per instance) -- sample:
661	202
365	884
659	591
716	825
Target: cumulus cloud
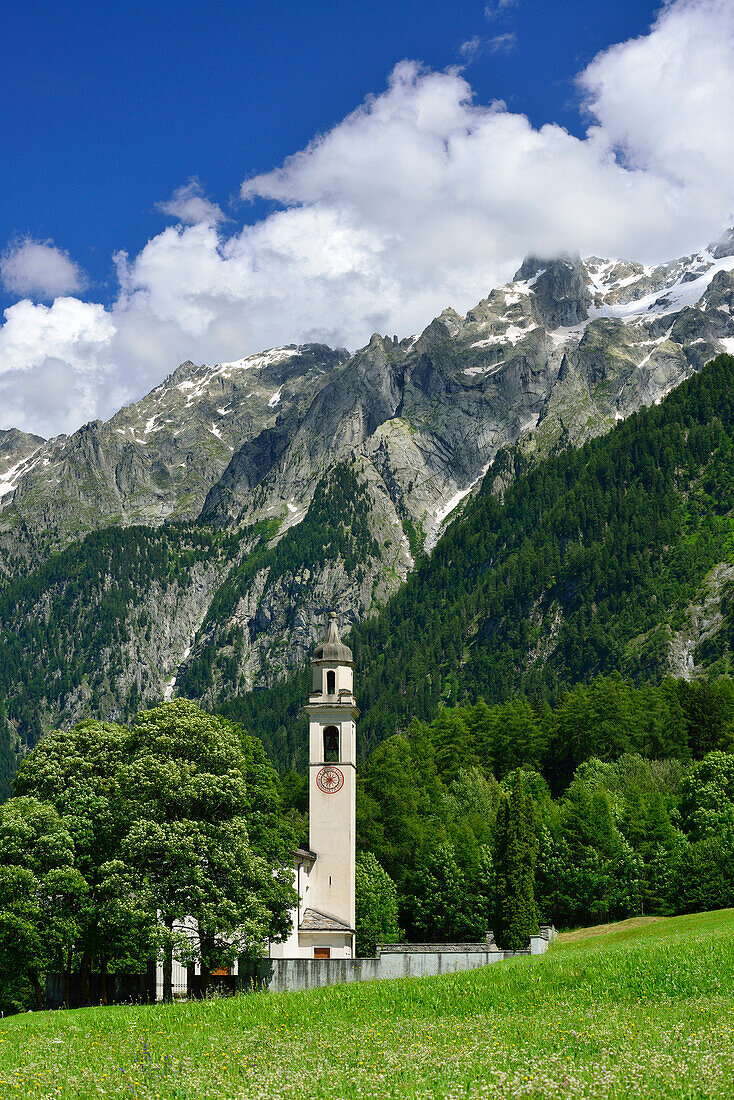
189	205
418	199
55	364
40	270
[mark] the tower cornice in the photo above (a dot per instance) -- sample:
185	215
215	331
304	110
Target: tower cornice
348	709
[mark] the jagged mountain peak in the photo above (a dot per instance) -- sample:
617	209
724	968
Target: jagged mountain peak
157	458
724	246
534	265
163	456
559	289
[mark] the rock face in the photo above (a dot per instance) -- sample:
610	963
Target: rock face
258	445
559	288
724	246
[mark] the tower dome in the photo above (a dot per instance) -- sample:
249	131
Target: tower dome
332	648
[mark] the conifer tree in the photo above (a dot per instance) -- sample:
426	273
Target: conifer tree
516	849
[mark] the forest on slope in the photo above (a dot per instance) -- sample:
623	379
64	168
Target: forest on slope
632	803
586	565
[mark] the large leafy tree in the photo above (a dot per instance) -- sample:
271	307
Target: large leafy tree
78	773
177	833
42	899
708	796
206	845
443	901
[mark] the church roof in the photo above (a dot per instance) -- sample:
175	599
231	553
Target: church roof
332	648
302	852
314	921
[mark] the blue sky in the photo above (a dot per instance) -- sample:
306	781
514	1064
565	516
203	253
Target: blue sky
110	107
149	211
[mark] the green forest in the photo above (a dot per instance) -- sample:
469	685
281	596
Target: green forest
628	818
64	625
117	833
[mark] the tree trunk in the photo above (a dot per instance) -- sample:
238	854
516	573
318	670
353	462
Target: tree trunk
84	969
205	954
103	992
168	966
205	975
67	979
37	991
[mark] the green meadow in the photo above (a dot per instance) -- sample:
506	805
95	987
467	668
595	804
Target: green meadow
642	1008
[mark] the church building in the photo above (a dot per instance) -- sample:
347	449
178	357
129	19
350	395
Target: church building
323	923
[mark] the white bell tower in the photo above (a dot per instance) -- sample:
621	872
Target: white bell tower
323	923
333	712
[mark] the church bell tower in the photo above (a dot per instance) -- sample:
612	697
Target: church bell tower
332	711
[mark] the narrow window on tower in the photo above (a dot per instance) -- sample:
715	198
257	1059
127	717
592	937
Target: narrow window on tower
331	682
331	745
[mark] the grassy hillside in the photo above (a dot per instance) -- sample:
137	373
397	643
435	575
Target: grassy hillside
641	1011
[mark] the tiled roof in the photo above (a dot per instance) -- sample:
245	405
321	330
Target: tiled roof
314	921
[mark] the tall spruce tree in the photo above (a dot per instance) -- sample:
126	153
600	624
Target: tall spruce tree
516	850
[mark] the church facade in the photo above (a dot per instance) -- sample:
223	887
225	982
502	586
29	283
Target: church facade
324	873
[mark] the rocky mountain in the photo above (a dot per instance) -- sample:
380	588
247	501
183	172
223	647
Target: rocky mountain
336	472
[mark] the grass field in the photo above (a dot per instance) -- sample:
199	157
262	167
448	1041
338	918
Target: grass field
644	1008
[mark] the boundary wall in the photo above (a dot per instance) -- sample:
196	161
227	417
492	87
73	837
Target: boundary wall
393	960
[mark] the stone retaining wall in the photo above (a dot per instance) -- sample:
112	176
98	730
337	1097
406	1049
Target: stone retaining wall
394	960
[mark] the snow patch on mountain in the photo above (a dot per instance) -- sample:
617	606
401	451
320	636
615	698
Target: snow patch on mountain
9	480
683	291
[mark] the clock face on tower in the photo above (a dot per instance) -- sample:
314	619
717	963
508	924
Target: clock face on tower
330	779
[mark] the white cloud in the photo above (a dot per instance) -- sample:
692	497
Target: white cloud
40	270
665	101
502	43
471	48
188	205
418	199
56	361
474	47
493	9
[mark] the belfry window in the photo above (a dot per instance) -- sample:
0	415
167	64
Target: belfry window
331	682
331	745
